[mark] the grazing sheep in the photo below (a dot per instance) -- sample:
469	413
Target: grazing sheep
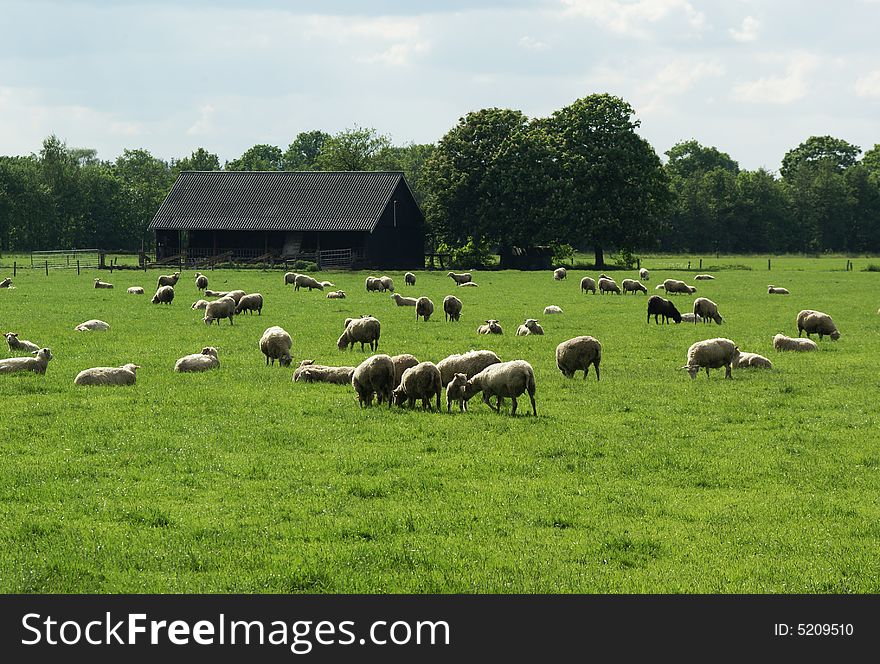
374	284
643	274
711	354
452	308
469	284
250	303
460	279
469	364
706	309
402	363
507	379
387	282
633	286
164	295
6	283
658	306
424	308
690	318
201	281
608	285
782	342
328	284
703	277
552	309
491	326
275	344
37	364
815	322
364	330
20	345
409	279
200	304
168	280
289	278
124	375
676	286
577	355
455	391
404	301
531	326
204	361
375	375
773	290
336	295
236	295
419	382
588	284
305	281
92	325
560	273
309	372
744	360
135	290
102	284
222	308
214	293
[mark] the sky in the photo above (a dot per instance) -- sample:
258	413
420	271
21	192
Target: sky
753	78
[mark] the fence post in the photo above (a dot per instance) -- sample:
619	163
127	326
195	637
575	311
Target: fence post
111	266
638	263
768	264
77	267
47	268
701	263
14	268
689	265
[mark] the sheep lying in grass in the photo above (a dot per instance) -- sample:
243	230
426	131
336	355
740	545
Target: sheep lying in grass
469	364
336	295
469	284
328	284
452	308
782	342
560	273
124	375
689	317
745	360
250	303
816	322
773	290
706	309
200	304
507	379
364	330
164	295
135	290
643	274
703	277
275	344
305	281
460	279
214	293
17	345
6	283
675	286
404	301
409	279
531	326
552	310
167	280
37	364
424	308
374	284
633	286
711	354
375	375
401	363
491	326
456	391
577	355
588	284
204	361
608	285
222	308
93	325
201	281
419	382
102	284
309	372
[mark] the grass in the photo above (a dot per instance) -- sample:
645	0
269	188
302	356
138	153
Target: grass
241	481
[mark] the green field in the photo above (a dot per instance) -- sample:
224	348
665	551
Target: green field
240	480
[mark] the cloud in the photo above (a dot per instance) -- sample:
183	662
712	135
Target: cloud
532	44
749	30
868	86
785	89
675	79
630	17
204	125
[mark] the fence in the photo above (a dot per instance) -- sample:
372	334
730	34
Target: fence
68	258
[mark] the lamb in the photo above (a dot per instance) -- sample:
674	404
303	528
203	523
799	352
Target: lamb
744	360
409	279
164	295
424	308
309	372
782	342
214	293
375	375
336	295
275	344
560	273
507	379
816	322
676	286
102	284
531	326
201	281
711	354
455	391
460	279
200	304
588	284
633	286
222	308
491	326
124	375
37	364
401	364
552	309
469	284
374	284
690	318
135	290
643	274
578	354
6	283
404	301
305	281
328	284
204	361
705	308
469	364
608	285
364	330
658	306
452	308
20	345
236	295
419	382
289	278
773	290
703	277
168	280
387	282
250	303
93	325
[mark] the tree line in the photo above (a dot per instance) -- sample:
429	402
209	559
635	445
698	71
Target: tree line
581	177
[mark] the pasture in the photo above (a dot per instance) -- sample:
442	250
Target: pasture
240	480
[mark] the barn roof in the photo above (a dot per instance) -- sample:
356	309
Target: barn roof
276	201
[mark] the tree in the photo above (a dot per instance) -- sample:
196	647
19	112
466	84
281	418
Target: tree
199	160
303	153
258	158
351	150
412	160
835	152
146	181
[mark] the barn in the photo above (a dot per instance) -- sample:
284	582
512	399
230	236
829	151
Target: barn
338	219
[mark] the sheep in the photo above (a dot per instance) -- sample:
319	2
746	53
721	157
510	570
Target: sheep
403	301
633	286
578	354
275	344
460	279
409	279
92	325
703	277
37	364
491	326
530	326
200	304
168	280
552	309
289	278
676	286
305	281
782	342
744	360
424	308
690	318
236	295
6	283
309	372
124	375
250	303
102	284
816	322
336	295
588	284
469	364
135	290
560	273
164	295
452	308
201	281
204	361
507	379
402	363
469	284
773	290
374	284
705	308
455	391
608	285
387	282
364	330
643	274
419	382
328	284
21	345
658	306
711	354
375	375
214	293
222	308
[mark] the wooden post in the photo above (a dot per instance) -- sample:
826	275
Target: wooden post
77	267
638	263
768	264
701	263
47	268
14	268
689	265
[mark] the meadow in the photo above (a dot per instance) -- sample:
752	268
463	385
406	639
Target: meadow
240	480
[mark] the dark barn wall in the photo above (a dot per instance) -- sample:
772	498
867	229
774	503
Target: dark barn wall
167	244
400	244
256	240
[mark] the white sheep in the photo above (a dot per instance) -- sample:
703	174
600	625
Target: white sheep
305	281
124	375
460	279
608	285
782	342
452	308
409	279
455	392
633	286
204	361
375	375
816	322
135	290
214	293
200	304
164	295
491	326
93	325
289	278
419	382
706	309
275	344
577	355
530	326
676	286
689	317
387	282
588	284
102	284
403	301
424	308
644	274
703	277
37	364
336	295
250	303
774	290
470	364
711	354
560	273
20	345
745	360
218	309
328	284
6	283
364	330
552	310
507	379
167	280
374	284
468	284
201	281
309	372
401	363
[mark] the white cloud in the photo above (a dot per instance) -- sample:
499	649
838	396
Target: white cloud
675	79
630	17
204	124
868	86
749	30
389	41
785	89
532	44
396	55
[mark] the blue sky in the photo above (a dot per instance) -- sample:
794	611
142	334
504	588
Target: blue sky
752	77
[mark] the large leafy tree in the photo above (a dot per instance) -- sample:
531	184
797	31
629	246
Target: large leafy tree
412	160
303	153
834	153
260	157
351	150
147	180
199	160
689	159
